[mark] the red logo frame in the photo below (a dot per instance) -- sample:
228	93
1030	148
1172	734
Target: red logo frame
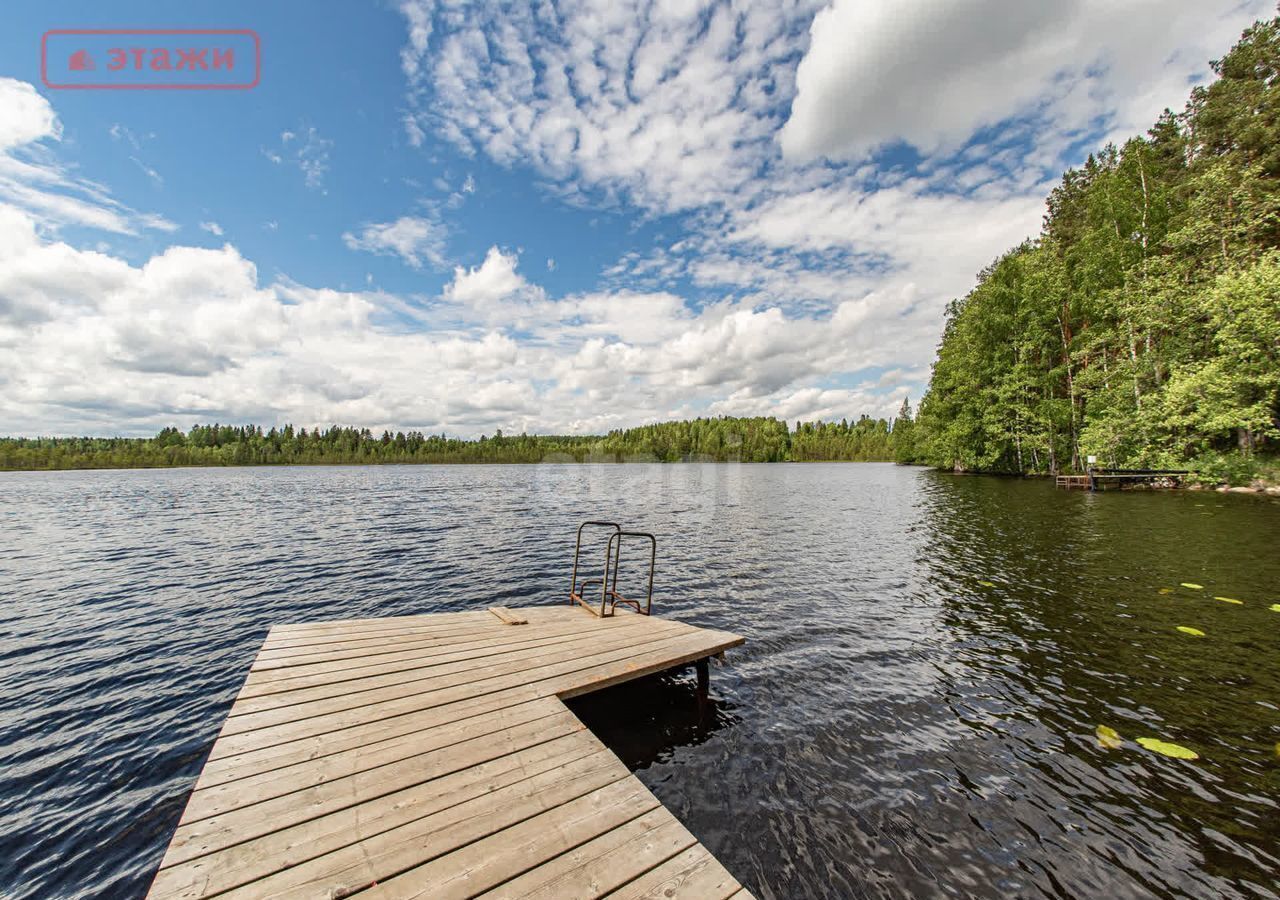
239	32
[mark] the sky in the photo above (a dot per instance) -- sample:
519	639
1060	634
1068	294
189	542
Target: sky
553	218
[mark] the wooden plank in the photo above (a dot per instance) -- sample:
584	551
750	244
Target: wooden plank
440	671
305	675
507	616
261	712
457	738
693	874
273	852
287	652
567	678
602	864
320	633
329	660
381	856
337	640
507	853
320	628
208	834
676	652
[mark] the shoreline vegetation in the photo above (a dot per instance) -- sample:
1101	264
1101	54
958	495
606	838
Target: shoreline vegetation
723	439
1142	326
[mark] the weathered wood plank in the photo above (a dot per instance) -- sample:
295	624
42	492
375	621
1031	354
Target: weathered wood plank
264	676
379	857
484	735
602	864
692	874
508	643
226	866
504	854
261	712
507	616
229	829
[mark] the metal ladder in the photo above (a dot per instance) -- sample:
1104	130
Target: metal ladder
609	596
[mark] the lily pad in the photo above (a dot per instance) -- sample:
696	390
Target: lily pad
1275	607
987	583
1193	585
1165	591
1194	632
1230	600
1177	751
1109	738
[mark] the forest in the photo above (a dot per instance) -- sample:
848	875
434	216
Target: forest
1142	326
723	439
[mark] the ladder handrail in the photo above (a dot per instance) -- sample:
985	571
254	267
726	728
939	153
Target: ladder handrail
608	581
573	581
653	557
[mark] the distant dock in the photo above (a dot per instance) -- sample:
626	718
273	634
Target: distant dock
1105	479
431	756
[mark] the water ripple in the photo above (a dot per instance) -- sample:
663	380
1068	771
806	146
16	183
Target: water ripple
914	714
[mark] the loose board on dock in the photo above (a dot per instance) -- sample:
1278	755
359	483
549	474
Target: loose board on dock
431	756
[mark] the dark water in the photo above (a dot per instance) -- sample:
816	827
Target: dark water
894	726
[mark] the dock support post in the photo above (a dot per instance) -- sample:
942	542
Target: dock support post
704	682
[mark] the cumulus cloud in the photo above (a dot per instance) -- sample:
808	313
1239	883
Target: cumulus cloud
92	343
27	118
415	239
32	178
933	72
493	281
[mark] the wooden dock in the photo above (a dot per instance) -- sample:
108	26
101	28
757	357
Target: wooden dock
431	756
1103	479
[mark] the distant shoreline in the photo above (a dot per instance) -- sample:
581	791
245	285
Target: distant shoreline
521	463
720	439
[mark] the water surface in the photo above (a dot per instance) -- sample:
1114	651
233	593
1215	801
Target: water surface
913	715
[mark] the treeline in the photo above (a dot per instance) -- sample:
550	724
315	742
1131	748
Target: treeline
711	439
1143	325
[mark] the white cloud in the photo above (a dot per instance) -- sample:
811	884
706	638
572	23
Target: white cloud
32	178
92	343
657	103
415	239
27	116
152	174
212	227
307	150
933	72
469	185
485	288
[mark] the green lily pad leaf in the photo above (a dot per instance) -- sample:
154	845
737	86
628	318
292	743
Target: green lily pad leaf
1165	591
1109	738
987	583
1194	632
1177	751
1230	600
1193	585
1275	607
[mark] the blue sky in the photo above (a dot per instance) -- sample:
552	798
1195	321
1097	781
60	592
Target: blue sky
554	218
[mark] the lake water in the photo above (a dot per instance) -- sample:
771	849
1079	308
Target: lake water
913	714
